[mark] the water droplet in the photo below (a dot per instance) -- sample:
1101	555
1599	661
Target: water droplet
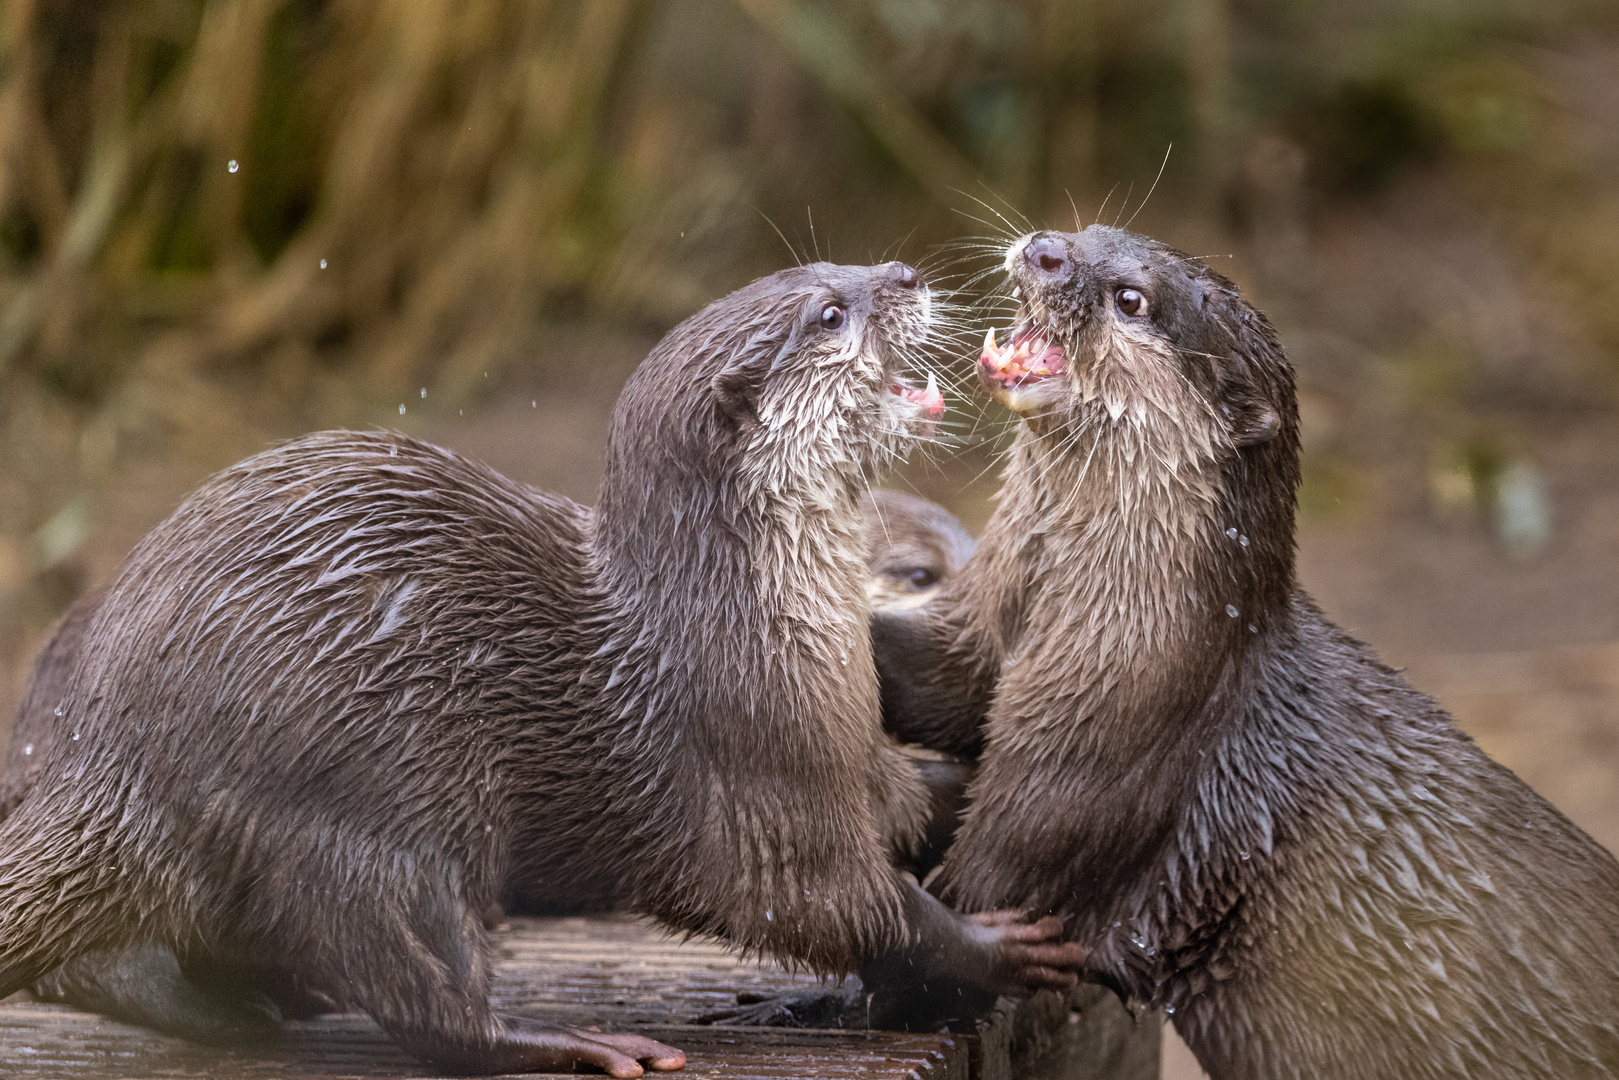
75	736
534	404
1231	533
1252	629
27	750
1230	609
1245	855
323	264
1169	1009
1243	540
770	916
231	165
59	710
424	392
401	408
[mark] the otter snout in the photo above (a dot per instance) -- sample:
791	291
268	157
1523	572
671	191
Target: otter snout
906	276
1047	255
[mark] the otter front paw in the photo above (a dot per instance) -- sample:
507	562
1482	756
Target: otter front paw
1028	957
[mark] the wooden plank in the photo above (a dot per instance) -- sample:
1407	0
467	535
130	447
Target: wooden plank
620	974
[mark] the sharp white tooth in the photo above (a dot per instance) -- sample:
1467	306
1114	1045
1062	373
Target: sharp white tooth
933	388
989	338
1017	291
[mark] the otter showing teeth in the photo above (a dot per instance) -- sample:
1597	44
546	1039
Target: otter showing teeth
1246	818
1010	372
356	687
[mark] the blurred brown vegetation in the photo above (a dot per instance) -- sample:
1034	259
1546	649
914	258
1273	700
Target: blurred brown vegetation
223	221
227	221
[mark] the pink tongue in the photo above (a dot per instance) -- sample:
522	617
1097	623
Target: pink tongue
928	399
1051	360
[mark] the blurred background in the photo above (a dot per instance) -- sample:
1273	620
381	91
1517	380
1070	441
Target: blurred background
224	222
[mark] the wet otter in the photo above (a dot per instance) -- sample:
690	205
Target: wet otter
1246	818
355	684
912	547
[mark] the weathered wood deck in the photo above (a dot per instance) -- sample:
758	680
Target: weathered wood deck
620	974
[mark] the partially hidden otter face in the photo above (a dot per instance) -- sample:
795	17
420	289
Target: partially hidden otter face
1120	330
913	546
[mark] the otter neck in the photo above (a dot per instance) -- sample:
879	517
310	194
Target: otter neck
736	692
1150	576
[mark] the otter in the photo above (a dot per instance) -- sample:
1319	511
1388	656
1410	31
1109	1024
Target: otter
913	546
356	684
1248	820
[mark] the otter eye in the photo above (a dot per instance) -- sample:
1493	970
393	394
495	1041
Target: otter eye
921	578
832	317
1130	302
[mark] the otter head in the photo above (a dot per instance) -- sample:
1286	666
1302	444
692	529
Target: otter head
788	393
913	546
1118	325
1130	353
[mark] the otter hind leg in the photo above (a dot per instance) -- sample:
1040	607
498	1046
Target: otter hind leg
145	984
421	969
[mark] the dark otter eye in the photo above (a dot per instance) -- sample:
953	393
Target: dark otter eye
1130	302
921	578
832	317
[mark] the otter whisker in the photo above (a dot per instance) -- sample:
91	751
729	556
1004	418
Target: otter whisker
1100	210
1154	187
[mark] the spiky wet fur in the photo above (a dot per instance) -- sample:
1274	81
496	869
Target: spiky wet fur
354	683
1249	820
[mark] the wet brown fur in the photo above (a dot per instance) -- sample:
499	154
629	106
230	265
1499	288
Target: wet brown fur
357	683
1248	819
194	997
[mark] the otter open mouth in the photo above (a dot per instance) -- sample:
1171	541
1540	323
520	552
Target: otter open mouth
1011	371
928	401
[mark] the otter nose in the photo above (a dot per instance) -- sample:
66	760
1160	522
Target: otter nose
905	276
1047	254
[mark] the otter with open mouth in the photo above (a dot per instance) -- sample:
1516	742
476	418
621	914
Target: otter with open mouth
1247	819
356	686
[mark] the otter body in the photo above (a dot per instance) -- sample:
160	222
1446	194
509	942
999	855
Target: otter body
357	684
1246	818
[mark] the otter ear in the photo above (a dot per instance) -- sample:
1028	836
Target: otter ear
1253	420
734	389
